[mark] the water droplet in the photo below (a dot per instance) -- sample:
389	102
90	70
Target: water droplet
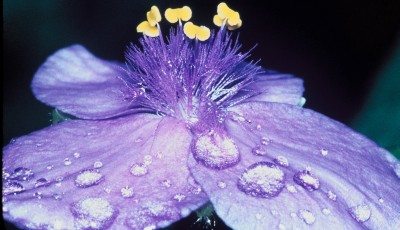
139	169
41	182
360	213
38	195
12	187
77	155
57	196
87	178
127	192
324	152
306	216
265	141
166	183
59	179
326	211
306	180
93	213
281	161
5	175
67	161
147	160
291	188
97	164
281	227
38	145
259	150
21	174
50	167
13	140
274	212
107	189
381	200
258	216
221	184
258	127
331	195
179	197
216	151
262	179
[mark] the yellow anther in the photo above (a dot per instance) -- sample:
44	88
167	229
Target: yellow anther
153	16
224	13
173	15
149	30
200	32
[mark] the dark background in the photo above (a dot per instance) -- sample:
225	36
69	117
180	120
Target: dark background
337	47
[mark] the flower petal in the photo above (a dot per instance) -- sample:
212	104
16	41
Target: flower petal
78	83
299	168
128	172
276	87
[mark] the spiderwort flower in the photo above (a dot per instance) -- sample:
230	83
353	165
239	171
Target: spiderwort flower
184	122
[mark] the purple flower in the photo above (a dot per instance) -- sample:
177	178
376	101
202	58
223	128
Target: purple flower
185	122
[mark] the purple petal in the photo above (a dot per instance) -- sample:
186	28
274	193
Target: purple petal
128	172
301	169
275	87
78	83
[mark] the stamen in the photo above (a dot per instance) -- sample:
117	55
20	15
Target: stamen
200	32
173	15
226	15
153	16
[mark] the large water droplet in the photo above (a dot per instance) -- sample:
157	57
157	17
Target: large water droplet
306	180
216	151
41	182
307	216
139	169
21	174
127	192
12	187
87	178
93	213
360	213
262	179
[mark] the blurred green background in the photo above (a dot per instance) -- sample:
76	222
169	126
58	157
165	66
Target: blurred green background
347	52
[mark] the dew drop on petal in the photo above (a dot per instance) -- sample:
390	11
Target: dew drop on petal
307	216
41	182
324	152
281	161
281	227
216	151
265	141
50	167
21	174
148	160
360	213
138	140
166	183
179	197
93	213
12	187
97	164
87	178
77	155
259	150
138	170
258	216
291	188
331	195
127	192
326	211
262	179
67	161
221	184
57	196
38	195
381	200
306	180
